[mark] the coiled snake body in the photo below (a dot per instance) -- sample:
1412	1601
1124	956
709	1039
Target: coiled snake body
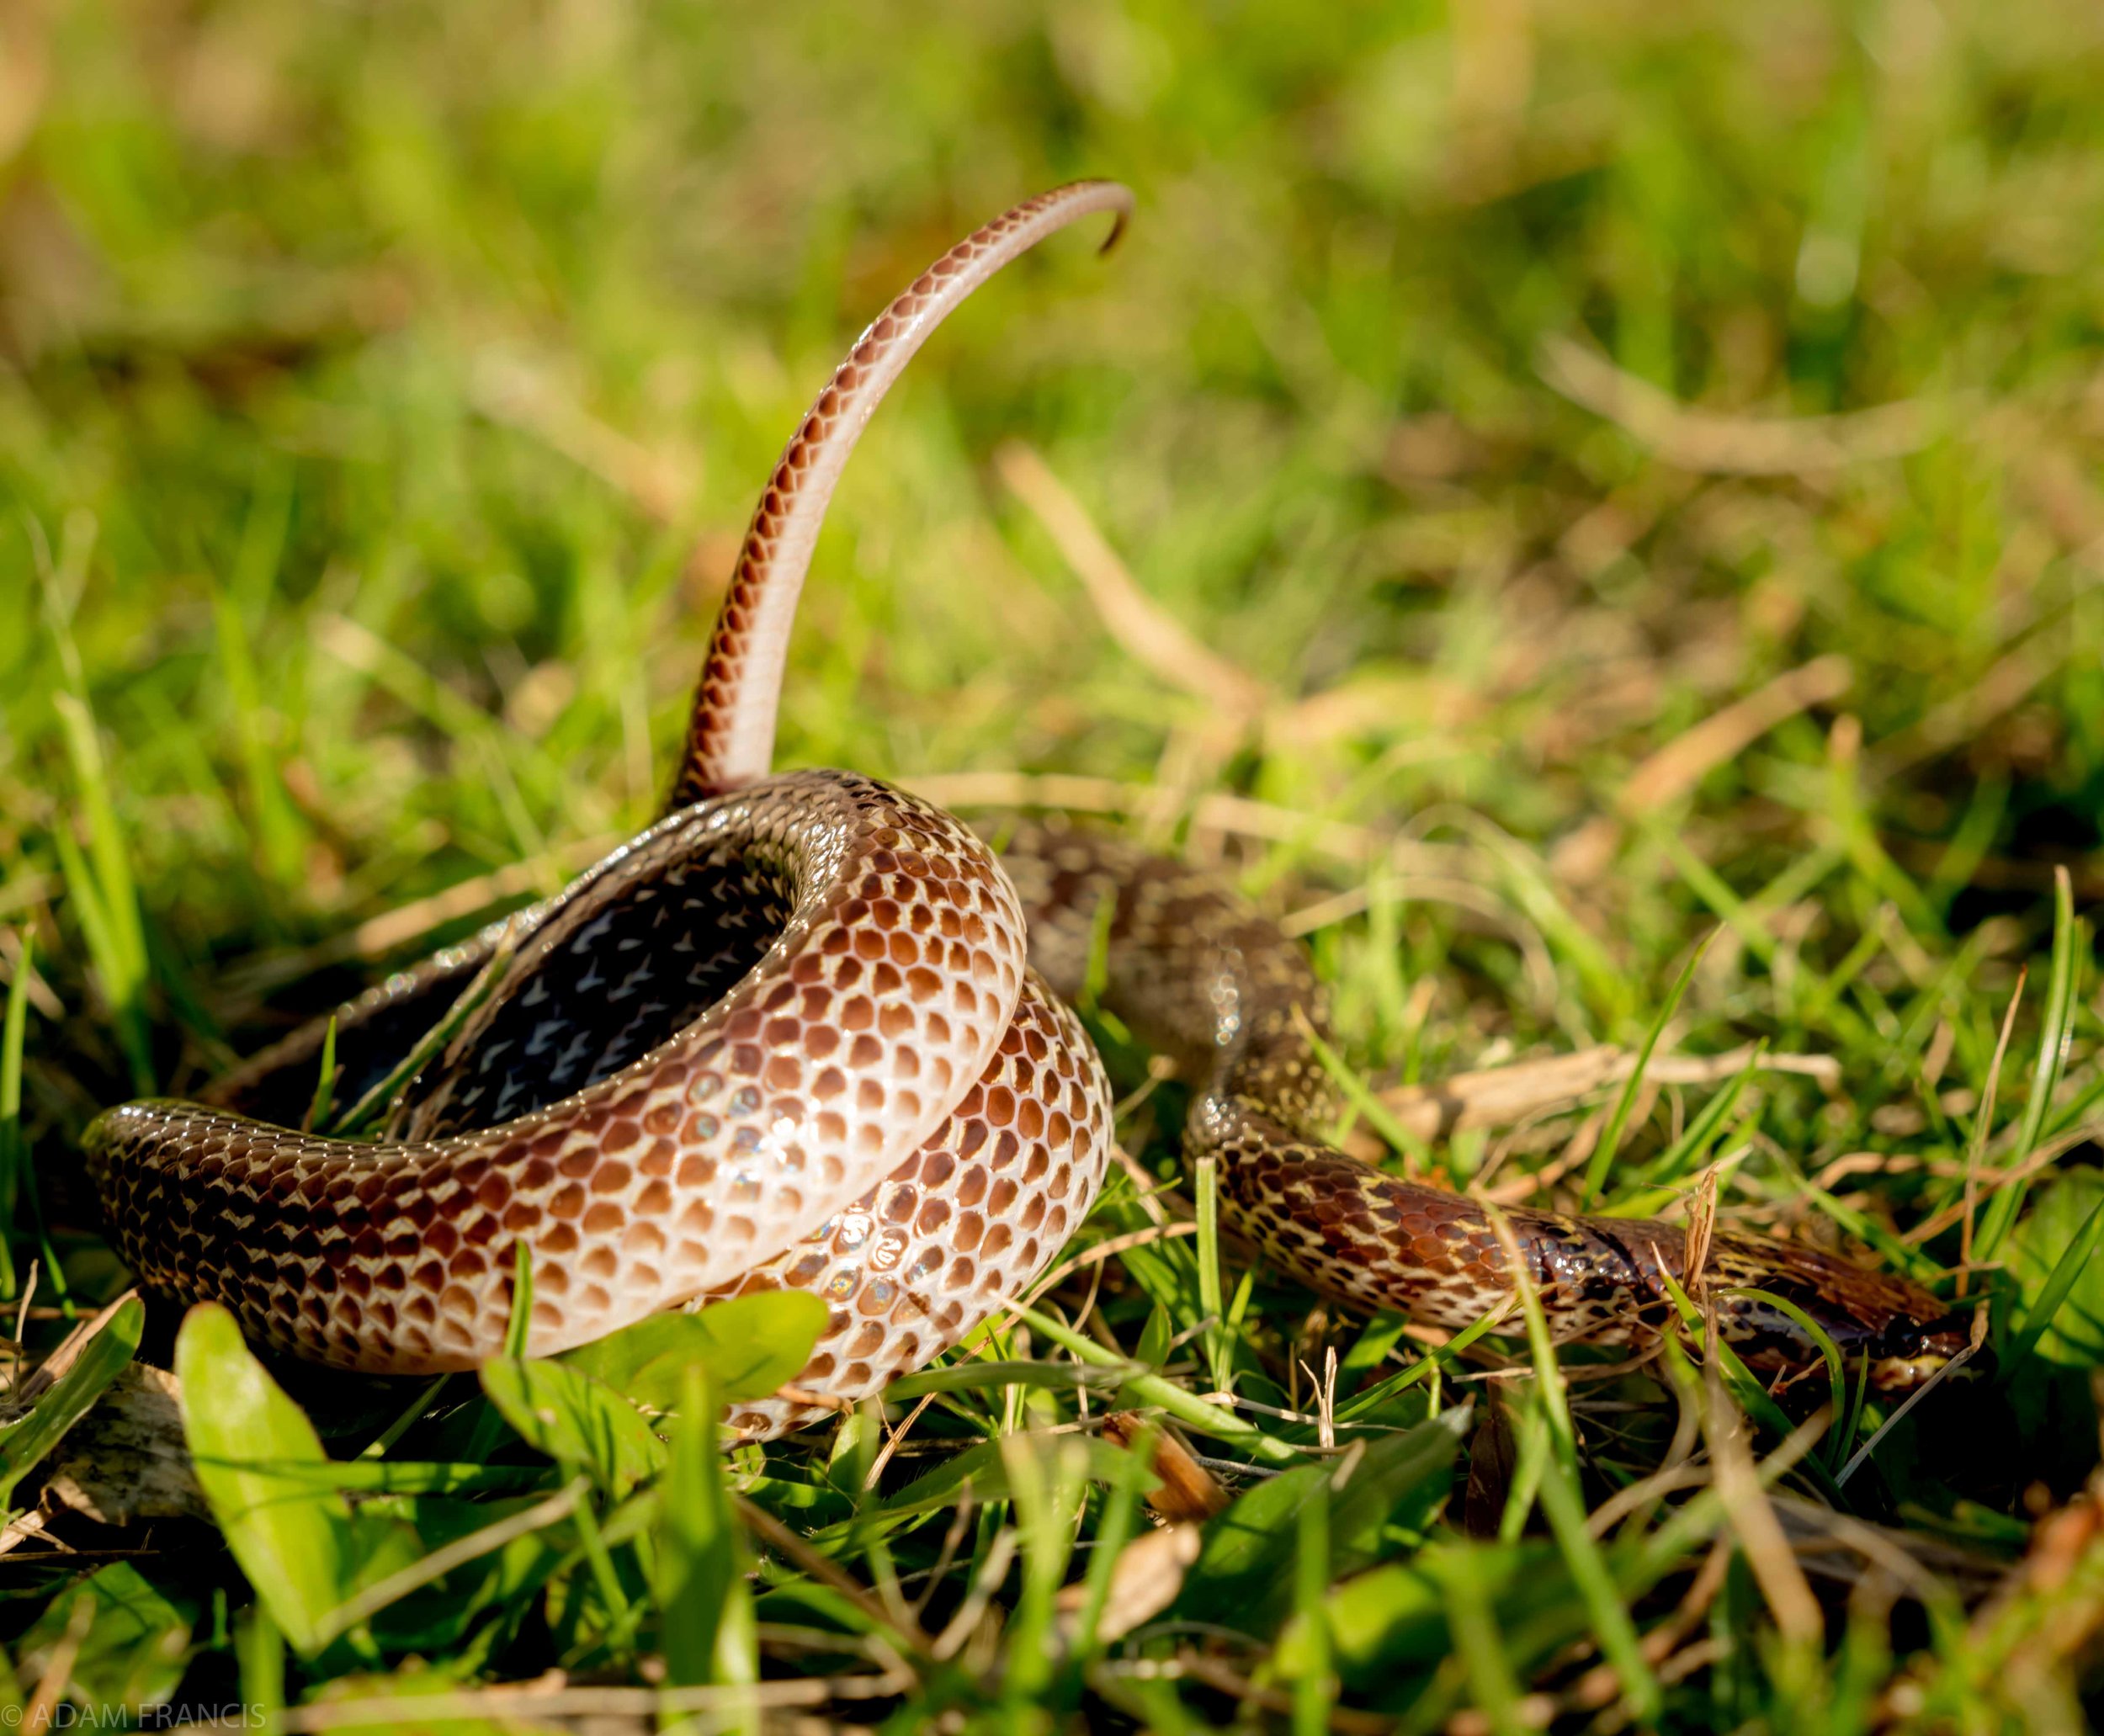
796	1034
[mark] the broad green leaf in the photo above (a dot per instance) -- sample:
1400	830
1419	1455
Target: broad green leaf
132	1653
1391	1622
23	1443
750	1346
292	1535
1244	1574
2075	1335
576	1420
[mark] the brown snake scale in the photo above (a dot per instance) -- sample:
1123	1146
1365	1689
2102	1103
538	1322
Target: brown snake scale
807	1031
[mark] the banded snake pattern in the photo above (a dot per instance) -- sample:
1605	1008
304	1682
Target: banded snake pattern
809	1031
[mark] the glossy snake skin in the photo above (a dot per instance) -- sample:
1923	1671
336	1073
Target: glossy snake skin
793	1036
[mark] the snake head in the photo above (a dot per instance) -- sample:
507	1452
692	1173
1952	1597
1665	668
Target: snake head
1908	1352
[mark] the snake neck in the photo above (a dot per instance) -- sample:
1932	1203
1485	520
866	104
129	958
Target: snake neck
1198	973
1195	972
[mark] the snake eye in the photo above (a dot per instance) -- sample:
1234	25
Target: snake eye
1908	1353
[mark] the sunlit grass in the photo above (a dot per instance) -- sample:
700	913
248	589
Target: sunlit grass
1493	406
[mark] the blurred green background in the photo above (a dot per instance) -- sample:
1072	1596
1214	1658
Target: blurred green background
384	388
1502	391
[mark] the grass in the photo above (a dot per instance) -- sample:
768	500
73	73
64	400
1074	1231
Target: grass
1631	478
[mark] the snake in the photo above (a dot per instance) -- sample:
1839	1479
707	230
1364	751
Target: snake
810	1031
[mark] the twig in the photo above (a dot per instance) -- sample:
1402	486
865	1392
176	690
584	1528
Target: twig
1738	445
1496	1097
1150	637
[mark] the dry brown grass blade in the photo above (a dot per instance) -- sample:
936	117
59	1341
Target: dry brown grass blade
1835	1545
1738	445
1152	638
380	937
588	1705
892	1441
25	77
1149	1574
1750	1516
2043	1158
1234	817
791	1548
58	1670
1188	1491
39	991
514	393
1498	1096
1222	1676
32	1386
1101	1251
2045	1615
1677	767
1983	1127
2007	683
1702	1229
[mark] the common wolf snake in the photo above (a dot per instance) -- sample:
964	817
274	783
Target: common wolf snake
808	1031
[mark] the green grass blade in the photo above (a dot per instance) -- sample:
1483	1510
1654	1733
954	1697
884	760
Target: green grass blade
1746	1388
2067	1272
124	991
519	1329
1473	1622
2054	1035
324	1097
1602	1159
1688	1152
25	1441
278	829
14	1148
705	1605
1206	1195
1193	1412
1830	1354
1115	1528
1434	1358
1379	1117
1313	1691
1563	1506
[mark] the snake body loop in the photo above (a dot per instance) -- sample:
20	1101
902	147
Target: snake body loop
795	1034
